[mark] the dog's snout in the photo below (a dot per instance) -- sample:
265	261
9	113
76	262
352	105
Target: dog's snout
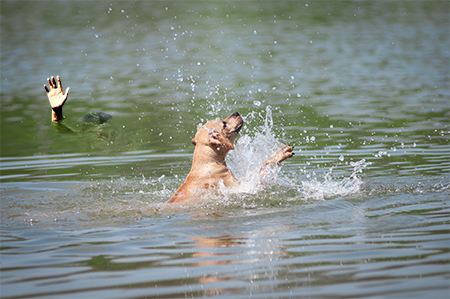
234	122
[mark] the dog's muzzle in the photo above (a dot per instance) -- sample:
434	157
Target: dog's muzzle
239	125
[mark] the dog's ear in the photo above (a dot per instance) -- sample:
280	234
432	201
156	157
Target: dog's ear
228	144
215	139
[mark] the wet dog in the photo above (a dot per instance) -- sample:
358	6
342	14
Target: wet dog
212	143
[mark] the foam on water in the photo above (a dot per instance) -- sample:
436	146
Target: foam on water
329	187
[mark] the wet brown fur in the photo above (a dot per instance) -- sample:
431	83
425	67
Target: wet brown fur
212	143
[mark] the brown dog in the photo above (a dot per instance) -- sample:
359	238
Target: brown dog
212	143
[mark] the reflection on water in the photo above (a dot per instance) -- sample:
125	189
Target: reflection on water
361	89
353	244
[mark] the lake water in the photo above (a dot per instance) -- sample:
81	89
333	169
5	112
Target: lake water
361	89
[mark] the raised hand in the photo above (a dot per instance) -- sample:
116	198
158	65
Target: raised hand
56	97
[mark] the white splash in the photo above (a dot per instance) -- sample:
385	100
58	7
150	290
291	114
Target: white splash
258	144
251	150
329	187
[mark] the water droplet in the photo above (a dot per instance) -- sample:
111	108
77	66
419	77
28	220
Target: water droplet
341	158
255	32
96	36
257	103
331	126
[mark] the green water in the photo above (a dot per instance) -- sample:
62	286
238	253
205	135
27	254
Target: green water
361	89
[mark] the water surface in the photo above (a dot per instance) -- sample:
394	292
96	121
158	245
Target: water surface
361	89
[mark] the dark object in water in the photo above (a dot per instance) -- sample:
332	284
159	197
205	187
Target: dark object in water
97	118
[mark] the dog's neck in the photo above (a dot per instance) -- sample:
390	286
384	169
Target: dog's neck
207	154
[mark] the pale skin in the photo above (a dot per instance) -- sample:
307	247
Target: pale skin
56	97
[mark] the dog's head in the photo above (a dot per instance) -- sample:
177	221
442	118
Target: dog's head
219	134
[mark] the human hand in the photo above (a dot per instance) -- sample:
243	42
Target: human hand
56	97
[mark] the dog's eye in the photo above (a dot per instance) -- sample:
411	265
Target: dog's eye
225	125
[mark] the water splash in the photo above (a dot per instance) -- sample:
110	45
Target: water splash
329	187
251	150
287	182
258	143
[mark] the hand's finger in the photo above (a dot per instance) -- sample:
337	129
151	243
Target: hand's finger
46	89
54	82
49	83
67	92
59	82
